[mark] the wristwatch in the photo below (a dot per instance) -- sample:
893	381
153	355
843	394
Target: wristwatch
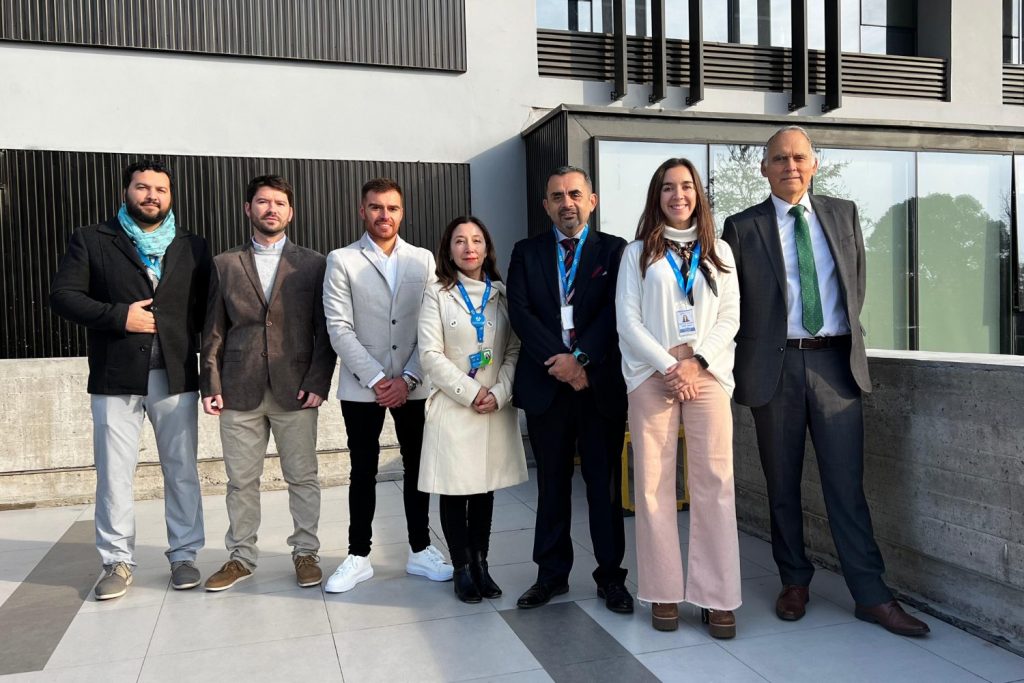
410	382
700	359
581	358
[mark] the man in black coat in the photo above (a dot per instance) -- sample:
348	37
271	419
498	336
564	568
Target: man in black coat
801	365
561	292
138	283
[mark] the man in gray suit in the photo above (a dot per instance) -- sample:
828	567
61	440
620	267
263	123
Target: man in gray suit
266	366
372	295
800	363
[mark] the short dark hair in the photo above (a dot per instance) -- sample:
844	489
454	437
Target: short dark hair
273	181
380	185
447	272
566	170
145	165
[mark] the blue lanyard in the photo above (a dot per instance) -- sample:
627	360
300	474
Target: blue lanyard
568	279
477	318
685	285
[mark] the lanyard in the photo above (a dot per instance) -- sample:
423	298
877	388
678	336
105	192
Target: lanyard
477	318
568	279
685	285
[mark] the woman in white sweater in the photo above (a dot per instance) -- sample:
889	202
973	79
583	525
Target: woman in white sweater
471	439
677	306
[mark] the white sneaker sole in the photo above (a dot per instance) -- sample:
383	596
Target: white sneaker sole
338	587
185	586
111	596
433	576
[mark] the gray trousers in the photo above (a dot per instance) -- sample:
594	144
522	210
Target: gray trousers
244	435
117	425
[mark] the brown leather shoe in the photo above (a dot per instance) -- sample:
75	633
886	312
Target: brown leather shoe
231	573
791	601
307	570
892	617
665	616
721	622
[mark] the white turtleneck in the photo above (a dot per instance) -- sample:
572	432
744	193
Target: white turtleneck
645	314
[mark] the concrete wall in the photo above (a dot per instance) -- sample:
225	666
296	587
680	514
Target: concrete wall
944	461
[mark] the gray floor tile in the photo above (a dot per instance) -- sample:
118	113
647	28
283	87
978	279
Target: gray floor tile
275	574
854	652
698	664
514	517
125	671
510	547
313	658
95	637
434	651
635	633
149	586
755	550
514	579
207	624
376	603
980	657
534	676
612	670
35	528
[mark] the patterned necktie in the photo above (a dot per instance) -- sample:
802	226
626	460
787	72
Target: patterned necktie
810	297
569	244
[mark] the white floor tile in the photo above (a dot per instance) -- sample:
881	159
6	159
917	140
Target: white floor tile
105	636
698	664
635	633
313	658
756	617
980	657
434	651
124	671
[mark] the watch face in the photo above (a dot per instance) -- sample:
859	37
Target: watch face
582	358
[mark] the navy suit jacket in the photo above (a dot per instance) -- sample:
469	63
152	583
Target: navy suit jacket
534	309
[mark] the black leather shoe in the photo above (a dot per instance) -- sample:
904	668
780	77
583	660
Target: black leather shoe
465	588
616	598
540	593
484	583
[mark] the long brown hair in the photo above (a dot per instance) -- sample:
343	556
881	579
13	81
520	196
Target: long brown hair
447	271
650	228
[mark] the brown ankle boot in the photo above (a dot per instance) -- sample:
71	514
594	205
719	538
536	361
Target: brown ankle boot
665	616
721	622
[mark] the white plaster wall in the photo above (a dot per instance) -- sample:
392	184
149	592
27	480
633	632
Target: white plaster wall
120	100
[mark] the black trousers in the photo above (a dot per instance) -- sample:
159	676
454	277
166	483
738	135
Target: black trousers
364	422
572	423
466	522
817	392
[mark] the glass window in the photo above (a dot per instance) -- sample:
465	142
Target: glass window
736	181
1013	27
882	185
624	171
963	238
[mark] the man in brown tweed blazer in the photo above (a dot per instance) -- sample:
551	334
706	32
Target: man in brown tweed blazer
266	366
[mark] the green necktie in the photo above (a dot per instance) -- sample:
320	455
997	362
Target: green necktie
810	297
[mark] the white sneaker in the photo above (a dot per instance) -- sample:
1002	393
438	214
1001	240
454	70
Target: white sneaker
430	563
355	569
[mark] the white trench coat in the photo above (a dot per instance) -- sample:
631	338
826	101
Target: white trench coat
464	452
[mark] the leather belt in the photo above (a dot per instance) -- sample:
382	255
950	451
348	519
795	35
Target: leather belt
815	343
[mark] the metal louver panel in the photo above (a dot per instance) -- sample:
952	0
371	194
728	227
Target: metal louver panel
589	56
424	34
44	195
546	149
1013	84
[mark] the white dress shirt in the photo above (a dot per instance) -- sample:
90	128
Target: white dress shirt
388	263
836	322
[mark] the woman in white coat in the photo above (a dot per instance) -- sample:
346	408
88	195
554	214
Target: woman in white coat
471	439
677	311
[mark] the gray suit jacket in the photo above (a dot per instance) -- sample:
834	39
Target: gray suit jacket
753	235
250	343
371	330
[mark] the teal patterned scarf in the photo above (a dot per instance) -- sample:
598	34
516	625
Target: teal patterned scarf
150	245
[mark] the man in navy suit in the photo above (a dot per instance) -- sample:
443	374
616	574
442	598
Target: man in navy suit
561	291
801	365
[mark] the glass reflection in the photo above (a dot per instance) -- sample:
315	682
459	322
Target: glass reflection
881	184
736	181
624	170
964	230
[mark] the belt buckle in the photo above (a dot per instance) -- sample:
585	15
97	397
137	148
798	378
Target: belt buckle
812	343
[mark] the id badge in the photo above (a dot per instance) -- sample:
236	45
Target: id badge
476	360
567	321
686	321
486	357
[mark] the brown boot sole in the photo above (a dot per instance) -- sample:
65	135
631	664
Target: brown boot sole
664	623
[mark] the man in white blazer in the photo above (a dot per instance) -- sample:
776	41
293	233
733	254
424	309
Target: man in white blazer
373	290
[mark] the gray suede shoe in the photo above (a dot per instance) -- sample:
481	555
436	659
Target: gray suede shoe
184	575
115	581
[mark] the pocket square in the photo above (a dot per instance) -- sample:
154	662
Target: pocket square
598	272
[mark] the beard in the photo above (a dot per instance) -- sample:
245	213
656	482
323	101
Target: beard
266	230
141	218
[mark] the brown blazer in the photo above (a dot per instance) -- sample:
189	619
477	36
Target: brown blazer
249	344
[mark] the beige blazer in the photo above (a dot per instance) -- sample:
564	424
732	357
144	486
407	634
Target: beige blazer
372	330
250	343
465	452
